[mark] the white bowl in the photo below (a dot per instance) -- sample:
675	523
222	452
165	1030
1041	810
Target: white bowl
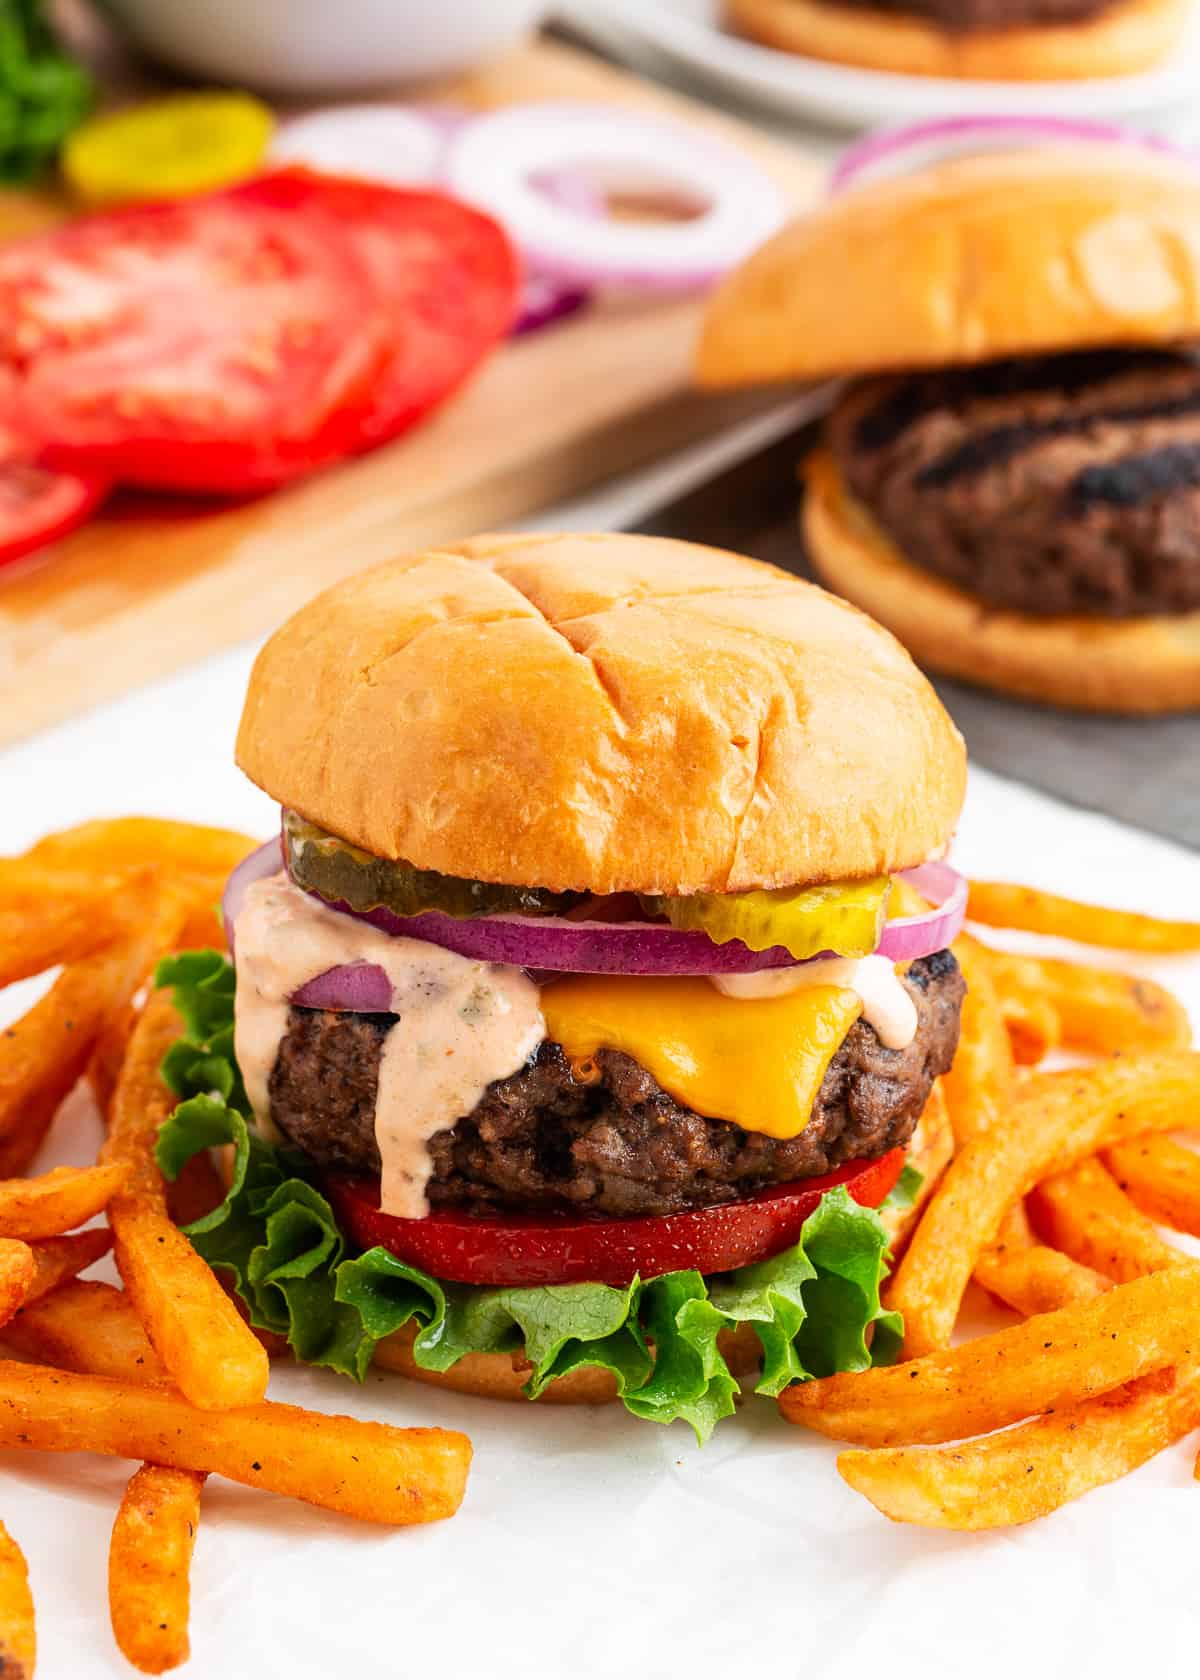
323	46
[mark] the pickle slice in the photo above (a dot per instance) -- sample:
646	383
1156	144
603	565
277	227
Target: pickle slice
340	873
845	917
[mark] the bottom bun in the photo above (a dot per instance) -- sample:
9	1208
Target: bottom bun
501	1376
1133	665
1128	37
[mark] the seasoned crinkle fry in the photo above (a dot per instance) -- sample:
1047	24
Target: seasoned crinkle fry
1162	1177
1086	1214
18	1270
58	1201
1028	1275
18	1641
1049	1361
196	1330
1003	904
1029	1471
366	1470
1056	1120
149	1563
86	1326
1097	1010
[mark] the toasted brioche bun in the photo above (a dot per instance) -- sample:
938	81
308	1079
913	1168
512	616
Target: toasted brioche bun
967	260
606	713
1129	37
1104	665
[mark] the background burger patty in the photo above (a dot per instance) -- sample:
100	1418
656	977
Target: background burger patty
964	16
619	1144
1067	484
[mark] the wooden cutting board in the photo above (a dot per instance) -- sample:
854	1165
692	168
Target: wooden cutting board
149	587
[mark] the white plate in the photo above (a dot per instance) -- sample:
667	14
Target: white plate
688	33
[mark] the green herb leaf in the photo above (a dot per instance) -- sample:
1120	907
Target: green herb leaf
44	94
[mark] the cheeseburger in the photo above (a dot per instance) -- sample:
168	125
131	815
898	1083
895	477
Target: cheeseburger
992	40
1011	481
593	996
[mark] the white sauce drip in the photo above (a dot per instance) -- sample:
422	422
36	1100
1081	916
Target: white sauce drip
887	1007
462	1023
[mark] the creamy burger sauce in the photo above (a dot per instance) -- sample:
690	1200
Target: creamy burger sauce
461	1023
887	1007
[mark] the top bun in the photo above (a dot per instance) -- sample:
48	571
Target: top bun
604	713
997	254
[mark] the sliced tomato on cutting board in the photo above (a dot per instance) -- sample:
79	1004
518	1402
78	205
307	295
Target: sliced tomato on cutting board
518	1251
208	345
41	503
444	275
227	344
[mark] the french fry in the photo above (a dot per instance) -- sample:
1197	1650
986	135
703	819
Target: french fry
1098	1010
89	1327
1086	1214
45	1052
128	842
149	1563
1029	1276
18	1270
165	917
18	1639
58	1259
1034	1029
197	1332
57	932
371	1471
58	1201
1056	1120
27	885
1052	1360
979	1084
1162	1177
1029	1471
1002	904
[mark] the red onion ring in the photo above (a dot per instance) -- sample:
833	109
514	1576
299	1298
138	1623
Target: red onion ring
266	860
956	136
499	161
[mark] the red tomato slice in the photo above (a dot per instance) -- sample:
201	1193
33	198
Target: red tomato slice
39	503
514	1251
208	346
445	278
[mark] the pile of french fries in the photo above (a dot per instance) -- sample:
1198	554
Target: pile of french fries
1055	1203
163	1371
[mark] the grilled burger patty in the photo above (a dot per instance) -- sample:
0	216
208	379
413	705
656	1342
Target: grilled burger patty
966	16
1065	484
542	1139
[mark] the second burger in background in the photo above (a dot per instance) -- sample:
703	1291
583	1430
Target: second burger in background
600	986
1012	484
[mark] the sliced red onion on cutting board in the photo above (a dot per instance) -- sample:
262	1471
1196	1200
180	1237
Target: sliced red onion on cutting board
893	152
500	161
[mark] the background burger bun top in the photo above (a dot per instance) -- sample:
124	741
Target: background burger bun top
1118	41
604	713
968	260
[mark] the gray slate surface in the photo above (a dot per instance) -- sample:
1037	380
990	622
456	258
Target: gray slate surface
1142	771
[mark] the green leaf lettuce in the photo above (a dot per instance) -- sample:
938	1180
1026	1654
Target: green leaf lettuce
814	1308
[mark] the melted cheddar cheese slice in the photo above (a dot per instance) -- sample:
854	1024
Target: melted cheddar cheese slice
756	1062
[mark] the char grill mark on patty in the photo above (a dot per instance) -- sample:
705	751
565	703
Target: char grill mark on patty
618	1145
1054	485
964	17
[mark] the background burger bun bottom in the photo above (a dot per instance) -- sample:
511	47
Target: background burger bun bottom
1144	665
1120	41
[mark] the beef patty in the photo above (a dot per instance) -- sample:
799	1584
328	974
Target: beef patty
619	1144
1065	484
967	16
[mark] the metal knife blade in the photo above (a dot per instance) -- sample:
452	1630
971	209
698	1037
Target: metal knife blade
1144	771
